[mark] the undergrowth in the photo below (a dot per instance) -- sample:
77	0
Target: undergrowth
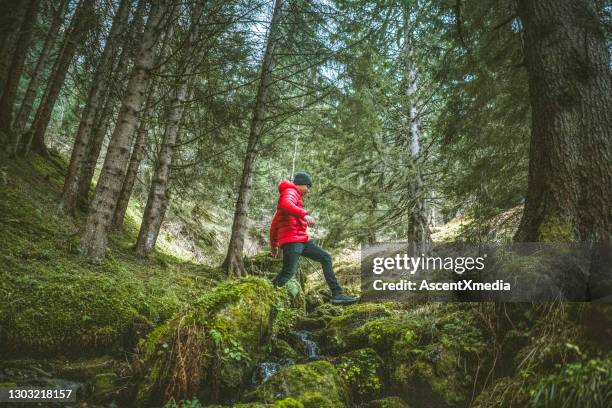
52	299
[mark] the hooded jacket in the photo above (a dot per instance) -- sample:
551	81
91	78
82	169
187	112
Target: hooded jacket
288	223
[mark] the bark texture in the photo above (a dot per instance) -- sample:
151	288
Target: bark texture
94	99
419	236
569	194
105	114
130	176
233	262
27	103
90	161
78	27
158	199
7	101
12	13
95	231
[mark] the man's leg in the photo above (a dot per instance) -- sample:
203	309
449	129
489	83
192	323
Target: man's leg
314	252
291	256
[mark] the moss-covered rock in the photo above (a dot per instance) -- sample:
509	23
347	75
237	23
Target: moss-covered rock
316	385
283	350
326	312
289	403
430	353
339	328
211	349
85	369
309	323
362	372
389	402
105	382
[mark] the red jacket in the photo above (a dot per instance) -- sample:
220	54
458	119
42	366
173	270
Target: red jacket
288	223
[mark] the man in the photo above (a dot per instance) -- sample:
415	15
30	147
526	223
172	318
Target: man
288	231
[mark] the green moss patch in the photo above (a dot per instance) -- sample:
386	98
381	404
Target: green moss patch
52	301
316	384
211	349
362	371
334	337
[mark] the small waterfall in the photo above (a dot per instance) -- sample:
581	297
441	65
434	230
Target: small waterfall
310	346
267	369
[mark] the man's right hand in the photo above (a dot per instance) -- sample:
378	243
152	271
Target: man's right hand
310	220
274	252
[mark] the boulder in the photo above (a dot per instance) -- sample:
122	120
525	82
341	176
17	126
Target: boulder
315	384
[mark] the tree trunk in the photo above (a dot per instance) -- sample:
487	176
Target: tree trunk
12	14
130	176
233	262
7	101
569	194
74	36
95	231
30	95
418	229
141	134
158	199
70	190
104	116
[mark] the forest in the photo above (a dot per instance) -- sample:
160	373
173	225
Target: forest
144	145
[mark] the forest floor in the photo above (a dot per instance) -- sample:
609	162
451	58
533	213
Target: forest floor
131	332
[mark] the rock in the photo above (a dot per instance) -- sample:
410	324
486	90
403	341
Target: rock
85	369
308	323
211	350
334	338
283	350
105	382
316	385
314	299
289	403
362	371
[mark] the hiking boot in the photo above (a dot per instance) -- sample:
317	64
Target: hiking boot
343	299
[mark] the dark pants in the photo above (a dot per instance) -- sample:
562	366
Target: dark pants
291	255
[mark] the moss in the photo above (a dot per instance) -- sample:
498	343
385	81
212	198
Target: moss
85	369
52	300
555	230
263	264
338	329
430	352
222	337
315	384
315	399
289	403
362	371
389	402
309	323
326	312
4	385
381	334
282	349
105	382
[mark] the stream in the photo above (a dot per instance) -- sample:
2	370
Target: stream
308	347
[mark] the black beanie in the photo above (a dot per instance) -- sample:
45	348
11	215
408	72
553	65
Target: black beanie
302	178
